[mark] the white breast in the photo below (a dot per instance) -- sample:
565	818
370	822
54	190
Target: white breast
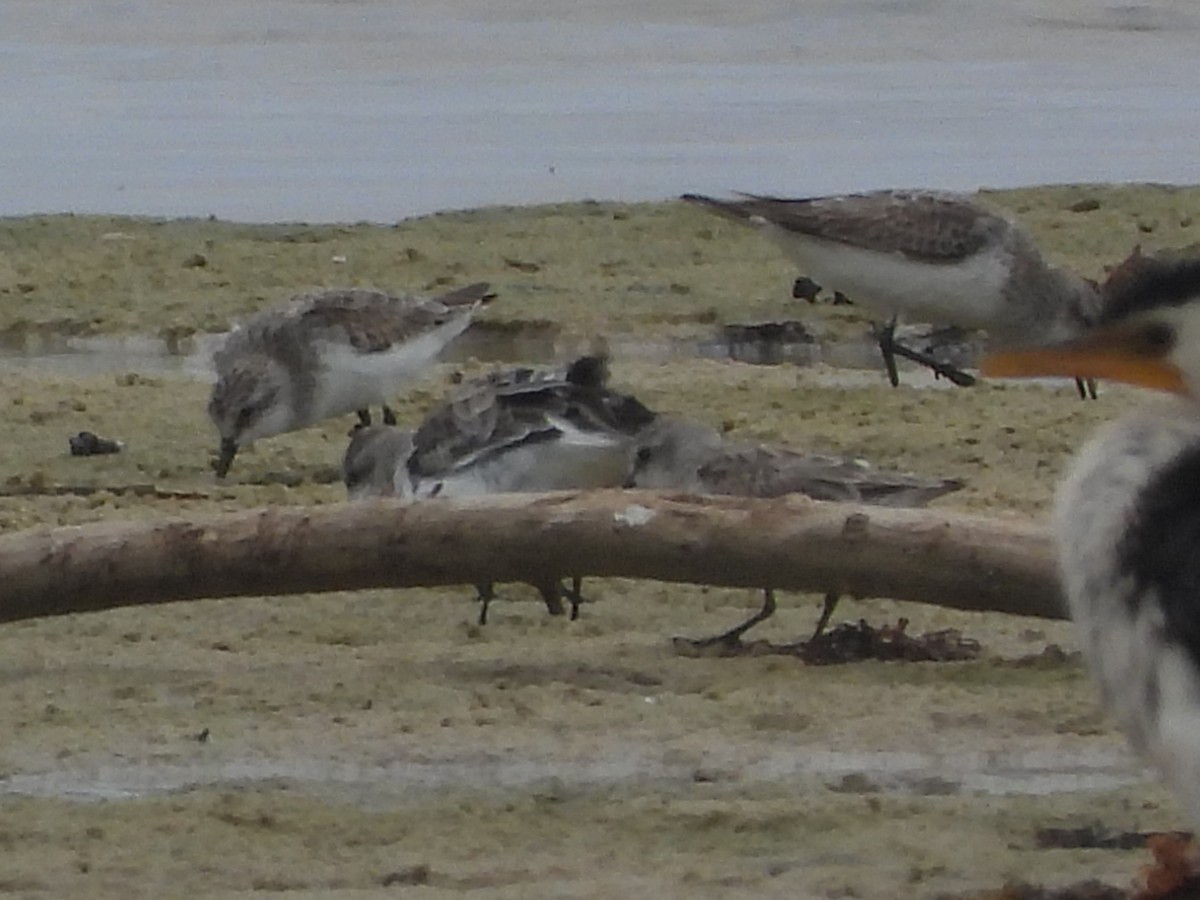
968	294
1147	680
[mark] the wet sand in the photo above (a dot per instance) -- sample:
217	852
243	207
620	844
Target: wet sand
349	744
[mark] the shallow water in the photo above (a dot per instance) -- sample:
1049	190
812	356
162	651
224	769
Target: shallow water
378	111
1026	772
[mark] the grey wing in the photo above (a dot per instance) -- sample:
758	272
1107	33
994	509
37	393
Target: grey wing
759	471
374	321
922	225
484	417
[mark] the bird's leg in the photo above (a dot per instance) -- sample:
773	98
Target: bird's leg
1087	388
389	417
733	636
944	370
886	335
364	417
827	608
573	595
487	593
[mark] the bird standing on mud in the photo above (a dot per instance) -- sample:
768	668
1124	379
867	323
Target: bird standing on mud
1127	516
511	430
688	456
326	354
928	256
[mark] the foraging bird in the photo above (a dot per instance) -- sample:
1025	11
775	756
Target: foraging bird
325	354
511	430
681	455
1127	516
928	256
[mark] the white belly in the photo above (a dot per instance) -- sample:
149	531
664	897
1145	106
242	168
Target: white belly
968	294
351	380
564	464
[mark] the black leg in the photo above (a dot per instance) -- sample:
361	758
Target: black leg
573	596
364	417
487	593
886	335
831	602
1087	388
941	369
389	417
733	636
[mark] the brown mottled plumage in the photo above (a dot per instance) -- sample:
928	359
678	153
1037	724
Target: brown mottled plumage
327	353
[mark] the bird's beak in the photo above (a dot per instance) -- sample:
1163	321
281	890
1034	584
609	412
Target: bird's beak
1113	352
228	451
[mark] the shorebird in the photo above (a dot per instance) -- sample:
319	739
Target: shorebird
930	257
1127	516
513	430
325	354
683	455
375	460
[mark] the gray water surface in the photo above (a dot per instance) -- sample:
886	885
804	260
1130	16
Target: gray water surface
377	110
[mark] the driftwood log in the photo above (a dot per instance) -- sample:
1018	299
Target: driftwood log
949	559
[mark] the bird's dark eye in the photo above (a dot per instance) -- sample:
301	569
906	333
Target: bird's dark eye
1156	338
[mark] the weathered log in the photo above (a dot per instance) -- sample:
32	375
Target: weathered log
950	559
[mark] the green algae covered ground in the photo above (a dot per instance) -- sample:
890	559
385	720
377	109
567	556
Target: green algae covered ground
354	744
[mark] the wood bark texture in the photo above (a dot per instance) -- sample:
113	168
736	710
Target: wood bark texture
944	558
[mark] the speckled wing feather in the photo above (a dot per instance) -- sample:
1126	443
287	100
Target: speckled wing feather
508	407
372	321
927	226
759	471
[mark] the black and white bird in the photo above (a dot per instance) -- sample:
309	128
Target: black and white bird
513	430
326	354
677	454
1127	516
927	256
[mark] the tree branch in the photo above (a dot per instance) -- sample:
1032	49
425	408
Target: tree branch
949	559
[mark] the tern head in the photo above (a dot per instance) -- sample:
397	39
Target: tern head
250	400
1148	334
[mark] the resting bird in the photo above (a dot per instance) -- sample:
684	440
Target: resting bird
928	256
688	456
326	354
1127	516
511	430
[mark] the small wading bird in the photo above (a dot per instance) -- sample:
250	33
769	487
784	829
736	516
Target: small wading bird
687	456
930	257
1127	516
512	430
326	354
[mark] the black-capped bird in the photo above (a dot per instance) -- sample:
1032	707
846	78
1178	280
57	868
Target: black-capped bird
1127	516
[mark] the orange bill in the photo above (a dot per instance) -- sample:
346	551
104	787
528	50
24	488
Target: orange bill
1113	353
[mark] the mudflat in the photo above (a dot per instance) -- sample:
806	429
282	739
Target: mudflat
351	744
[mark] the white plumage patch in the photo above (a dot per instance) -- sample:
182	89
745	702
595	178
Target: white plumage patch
969	293
350	379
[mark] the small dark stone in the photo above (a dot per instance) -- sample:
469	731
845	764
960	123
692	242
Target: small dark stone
87	443
804	288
